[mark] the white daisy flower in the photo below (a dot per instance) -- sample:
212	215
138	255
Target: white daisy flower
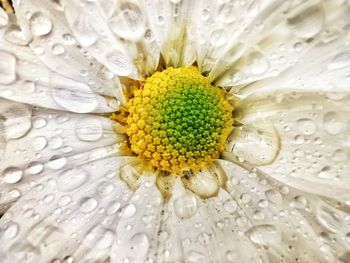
175	131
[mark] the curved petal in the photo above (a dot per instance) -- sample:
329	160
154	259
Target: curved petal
281	220
295	49
313	130
36	143
26	79
50	38
69	215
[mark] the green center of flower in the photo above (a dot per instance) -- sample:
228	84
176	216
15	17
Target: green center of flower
178	121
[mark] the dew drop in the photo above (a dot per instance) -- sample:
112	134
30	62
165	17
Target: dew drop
39	123
259	64
185	206
58	49
11	231
230	206
40	24
89	129
118	63
306	126
35	168
308	22
129	23
264	235
72	179
12	175
57	162
274	196
333	124
128	211
88	204
39	143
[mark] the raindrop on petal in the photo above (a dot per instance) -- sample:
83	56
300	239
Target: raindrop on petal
12	175
185	206
264	235
72	179
40	24
89	129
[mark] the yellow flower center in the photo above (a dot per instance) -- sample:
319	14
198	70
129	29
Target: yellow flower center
177	121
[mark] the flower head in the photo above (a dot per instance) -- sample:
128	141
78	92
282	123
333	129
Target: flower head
174	131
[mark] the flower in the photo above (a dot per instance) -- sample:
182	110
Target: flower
77	184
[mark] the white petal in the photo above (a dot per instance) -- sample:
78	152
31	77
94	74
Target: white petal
53	43
313	131
307	52
279	218
53	221
47	141
26	79
91	27
138	227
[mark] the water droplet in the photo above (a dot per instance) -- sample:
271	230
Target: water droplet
48	198
258	63
264	235
306	126
140	244
83	30
11	230
105	189
68	39
185	206
75	97
112	208
89	129
39	123
7	68
12	175
58	49
274	196
326	173
72	179
128	211
333	124
299	202
39	143
88	204
40	24
57	162
129	22
341	60
230	206
308	22
35	168
119	63
339	155
55	142
15	119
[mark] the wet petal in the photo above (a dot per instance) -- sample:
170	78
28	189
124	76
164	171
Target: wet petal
313	129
